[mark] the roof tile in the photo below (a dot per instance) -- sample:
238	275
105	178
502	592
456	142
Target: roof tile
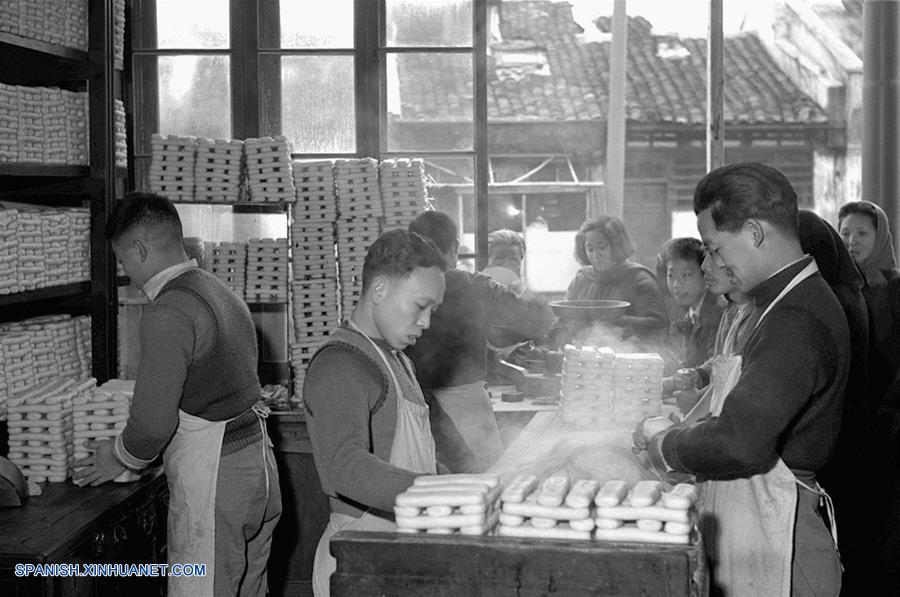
658	89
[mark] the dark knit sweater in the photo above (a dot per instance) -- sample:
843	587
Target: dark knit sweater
628	281
453	350
198	354
789	398
351	407
695	341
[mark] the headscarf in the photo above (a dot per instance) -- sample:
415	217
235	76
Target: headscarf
822	241
882	256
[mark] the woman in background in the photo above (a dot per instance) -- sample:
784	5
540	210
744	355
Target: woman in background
865	230
602	248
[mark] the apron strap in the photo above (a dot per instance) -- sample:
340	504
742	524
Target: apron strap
825	499
262	412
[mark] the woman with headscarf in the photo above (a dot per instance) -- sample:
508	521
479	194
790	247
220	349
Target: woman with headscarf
855	511
602	248
865	230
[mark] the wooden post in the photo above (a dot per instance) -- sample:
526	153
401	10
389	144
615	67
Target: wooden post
615	122
715	106
480	47
881	108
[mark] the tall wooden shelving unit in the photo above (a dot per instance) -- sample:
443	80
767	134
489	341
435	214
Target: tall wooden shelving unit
30	62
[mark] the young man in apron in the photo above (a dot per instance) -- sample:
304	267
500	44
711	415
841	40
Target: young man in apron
776	408
195	401
367	418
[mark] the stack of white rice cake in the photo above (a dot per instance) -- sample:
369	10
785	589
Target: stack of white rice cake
449	504
268	262
585	509
121	134
55	243
228	262
8	251
30	269
16	367
314	288
101	415
79	244
586	390
645	512
549	509
359	222
217	170
403	195
268	163
172	167
41	427
76	106
9	116
315	192
637	391
600	386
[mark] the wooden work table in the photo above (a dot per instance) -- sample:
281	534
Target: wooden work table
456	565
114	523
305	507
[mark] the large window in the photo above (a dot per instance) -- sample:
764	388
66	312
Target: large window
508	102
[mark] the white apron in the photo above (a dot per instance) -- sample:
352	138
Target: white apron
724	374
412	449
748	524
192	469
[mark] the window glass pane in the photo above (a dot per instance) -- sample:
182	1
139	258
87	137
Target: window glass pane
195	96
316	23
317	113
451	187
429	23
192	23
429	101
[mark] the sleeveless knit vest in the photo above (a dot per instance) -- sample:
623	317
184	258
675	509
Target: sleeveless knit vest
223	383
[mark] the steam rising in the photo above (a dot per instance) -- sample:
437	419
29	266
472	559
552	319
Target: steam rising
601	454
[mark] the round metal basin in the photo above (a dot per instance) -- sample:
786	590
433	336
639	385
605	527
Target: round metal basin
586	311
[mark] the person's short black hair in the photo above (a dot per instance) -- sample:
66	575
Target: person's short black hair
685	248
438	227
504	238
863	208
739	192
396	253
142	209
613	230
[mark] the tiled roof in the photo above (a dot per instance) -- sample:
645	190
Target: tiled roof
544	70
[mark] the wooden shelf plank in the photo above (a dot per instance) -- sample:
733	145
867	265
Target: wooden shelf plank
10	42
268	206
50	292
43	170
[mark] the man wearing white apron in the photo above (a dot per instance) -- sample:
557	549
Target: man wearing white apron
367	418
775	409
195	401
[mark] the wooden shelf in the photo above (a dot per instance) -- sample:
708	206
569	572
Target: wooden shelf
50	292
265	206
44	170
36	48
